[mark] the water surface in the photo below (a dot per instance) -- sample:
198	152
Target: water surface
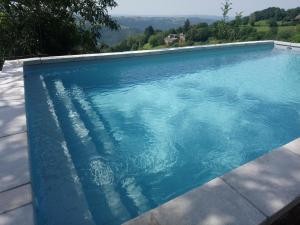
112	139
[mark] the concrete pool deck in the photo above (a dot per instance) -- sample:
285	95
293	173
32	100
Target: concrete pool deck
15	189
255	193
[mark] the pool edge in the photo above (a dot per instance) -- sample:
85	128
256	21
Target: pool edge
14	68
73	58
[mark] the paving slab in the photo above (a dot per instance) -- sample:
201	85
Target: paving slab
14	168
15	198
270	183
12	120
13	67
293	146
11	102
20	216
11	87
215	203
10	92
11	81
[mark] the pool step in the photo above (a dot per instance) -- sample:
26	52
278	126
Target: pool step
57	190
95	174
98	130
93	122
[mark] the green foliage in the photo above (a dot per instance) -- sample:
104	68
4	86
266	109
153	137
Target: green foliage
254	27
275	13
252	19
262	23
157	39
238	19
272	22
147	46
186	25
270	13
226	7
222	28
296	38
284	35
197	34
31	27
148	32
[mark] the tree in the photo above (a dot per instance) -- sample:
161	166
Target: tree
148	32
272	12
198	34
53	27
252	19
157	39
284	35
237	24
238	21
186	25
272	22
226	9
222	28
273	27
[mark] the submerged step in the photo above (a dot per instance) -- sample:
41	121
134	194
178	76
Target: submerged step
95	174
93	122
98	130
57	190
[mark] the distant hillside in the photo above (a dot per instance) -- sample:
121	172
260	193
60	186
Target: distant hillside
112	38
131	25
162	23
269	24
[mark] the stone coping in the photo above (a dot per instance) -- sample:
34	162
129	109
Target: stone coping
287	45
83	57
255	193
72	58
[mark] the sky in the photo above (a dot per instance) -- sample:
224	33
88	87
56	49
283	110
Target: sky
195	7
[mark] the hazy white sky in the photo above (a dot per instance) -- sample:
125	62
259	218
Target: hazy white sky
195	7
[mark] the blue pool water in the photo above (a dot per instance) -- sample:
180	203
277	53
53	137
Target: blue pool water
111	139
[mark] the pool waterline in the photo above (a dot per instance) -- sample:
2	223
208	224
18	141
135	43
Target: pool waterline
60	90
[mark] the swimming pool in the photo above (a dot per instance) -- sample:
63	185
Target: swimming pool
114	138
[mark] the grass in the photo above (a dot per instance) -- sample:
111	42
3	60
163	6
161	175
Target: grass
291	29
262	23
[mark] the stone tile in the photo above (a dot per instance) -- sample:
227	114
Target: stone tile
20	216
11	102
12	120
15	198
11	92
11	81
12	66
271	182
215	203
14	169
